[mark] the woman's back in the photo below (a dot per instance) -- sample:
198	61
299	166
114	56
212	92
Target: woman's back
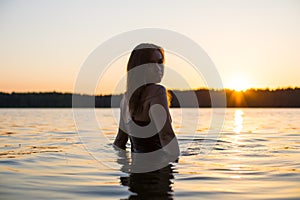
152	143
160	136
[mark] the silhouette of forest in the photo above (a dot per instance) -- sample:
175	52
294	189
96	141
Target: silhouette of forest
287	97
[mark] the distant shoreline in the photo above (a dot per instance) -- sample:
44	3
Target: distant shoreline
252	98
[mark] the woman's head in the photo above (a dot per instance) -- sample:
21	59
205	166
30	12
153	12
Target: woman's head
149	58
145	53
145	65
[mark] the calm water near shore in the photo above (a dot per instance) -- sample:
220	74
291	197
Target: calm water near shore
257	156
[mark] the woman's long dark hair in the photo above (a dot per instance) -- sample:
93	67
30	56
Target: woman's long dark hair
140	55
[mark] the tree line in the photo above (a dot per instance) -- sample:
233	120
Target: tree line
288	97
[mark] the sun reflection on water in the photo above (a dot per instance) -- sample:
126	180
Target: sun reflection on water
237	128
238	121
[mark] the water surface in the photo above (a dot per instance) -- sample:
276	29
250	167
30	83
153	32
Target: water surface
257	156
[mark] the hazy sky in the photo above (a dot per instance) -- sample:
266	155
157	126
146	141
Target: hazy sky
44	43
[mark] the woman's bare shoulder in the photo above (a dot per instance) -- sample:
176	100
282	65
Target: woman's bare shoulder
154	90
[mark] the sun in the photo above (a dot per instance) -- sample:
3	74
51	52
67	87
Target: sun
239	83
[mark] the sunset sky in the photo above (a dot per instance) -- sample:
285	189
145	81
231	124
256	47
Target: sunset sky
252	43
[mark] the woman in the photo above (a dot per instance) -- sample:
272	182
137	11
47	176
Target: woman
145	117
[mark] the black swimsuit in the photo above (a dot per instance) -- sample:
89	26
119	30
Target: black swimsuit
144	145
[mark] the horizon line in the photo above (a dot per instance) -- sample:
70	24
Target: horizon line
169	89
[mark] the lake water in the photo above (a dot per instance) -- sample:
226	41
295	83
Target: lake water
257	156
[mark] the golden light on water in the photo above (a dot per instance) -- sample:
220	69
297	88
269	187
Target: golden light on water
238	121
236	177
237	128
